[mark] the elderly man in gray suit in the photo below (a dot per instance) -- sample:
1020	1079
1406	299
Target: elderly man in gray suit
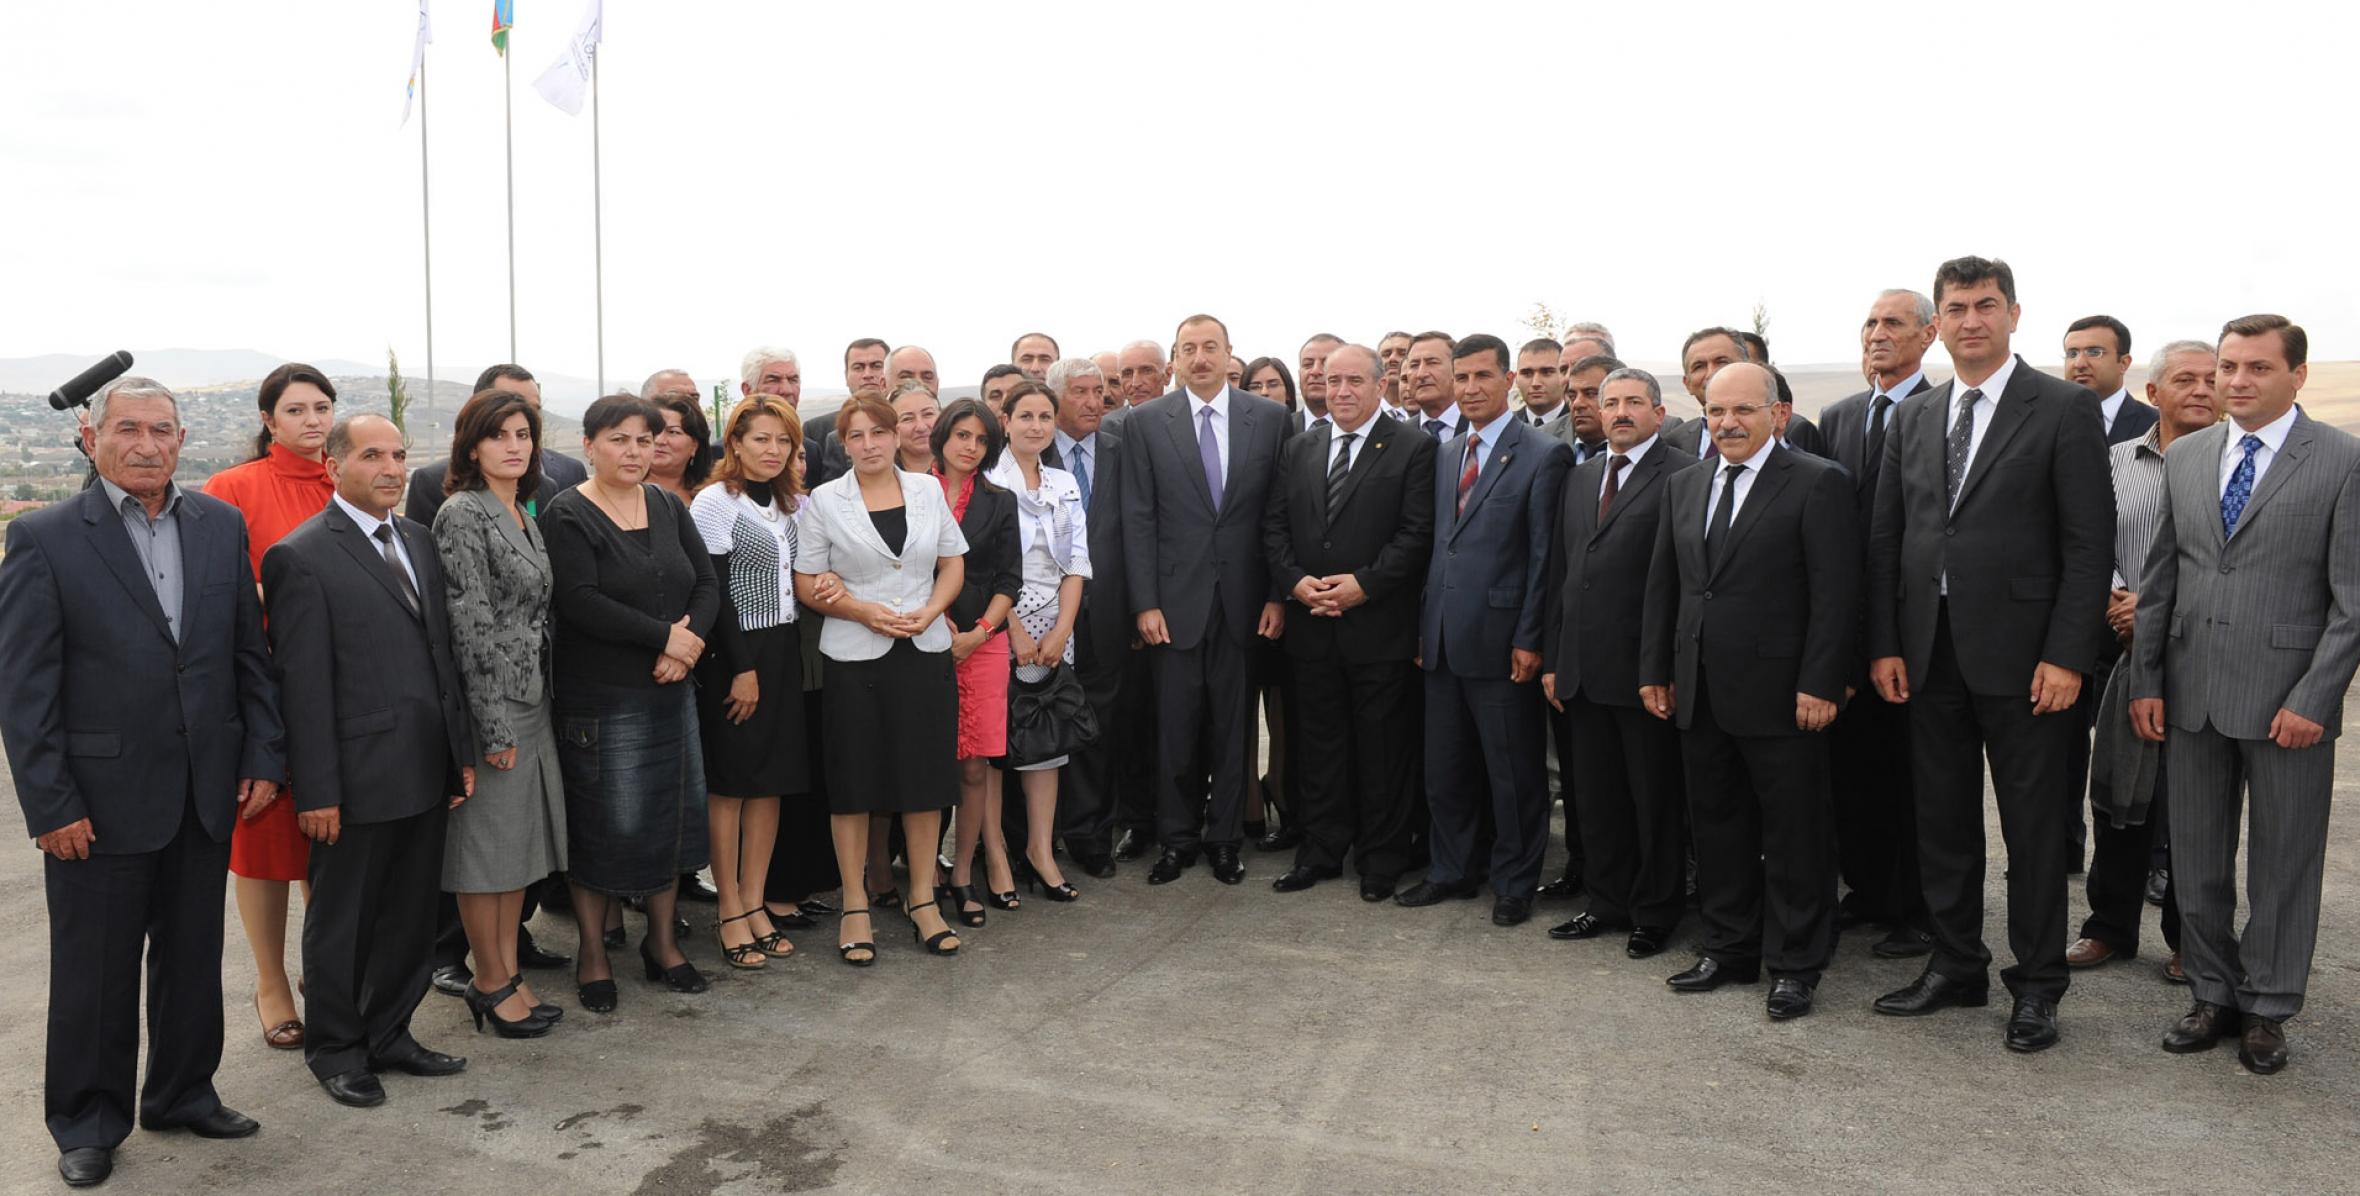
2245	643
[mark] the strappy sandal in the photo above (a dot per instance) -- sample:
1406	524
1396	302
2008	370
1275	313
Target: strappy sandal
774	944
748	957
844	950
286	1036
933	945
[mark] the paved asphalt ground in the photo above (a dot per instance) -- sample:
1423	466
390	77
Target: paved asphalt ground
1202	1038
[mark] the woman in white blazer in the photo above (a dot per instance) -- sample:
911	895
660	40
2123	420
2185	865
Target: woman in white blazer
890	722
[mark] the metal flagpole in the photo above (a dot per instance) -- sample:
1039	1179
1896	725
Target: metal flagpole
426	209
508	119
597	229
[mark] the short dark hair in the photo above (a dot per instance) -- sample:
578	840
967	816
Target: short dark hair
1396	332
692	421
1735	338
866	342
611	411
2290	334
1054	351
492	375
1756	346
274	387
1483	342
1318	337
2121	331
1596	361
1286	381
1447	339
1782	392
481	417
1539	344
1022	389
1001	370
1970	271
1201	318
995	438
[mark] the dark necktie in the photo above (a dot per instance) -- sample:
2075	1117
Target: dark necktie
2239	491
1614	466
1876	432
1340	469
393	565
1468	475
1081	472
1717	532
1434	428
1962	442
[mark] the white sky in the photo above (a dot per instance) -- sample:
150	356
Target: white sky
230	174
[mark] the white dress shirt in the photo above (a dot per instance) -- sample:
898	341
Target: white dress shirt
1745	484
2111	407
1452	422
369	524
2273	437
1897	392
1622	477
1992	387
1351	453
1219	406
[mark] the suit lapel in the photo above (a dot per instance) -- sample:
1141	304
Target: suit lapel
853	512
2290	455
1758	497
1502	453
112	542
1375	435
2007	418
1182	426
364	550
1644	473
1240	425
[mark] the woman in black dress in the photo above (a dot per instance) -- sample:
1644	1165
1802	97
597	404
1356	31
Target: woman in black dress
635	595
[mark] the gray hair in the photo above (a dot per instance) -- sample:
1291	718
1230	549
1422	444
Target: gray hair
1590	330
1924	306
647	389
750	369
1158	346
1067	369
340	433
1635	374
1376	364
137	387
913	385
2157	364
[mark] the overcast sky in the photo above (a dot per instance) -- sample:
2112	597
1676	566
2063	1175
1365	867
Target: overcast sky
232	174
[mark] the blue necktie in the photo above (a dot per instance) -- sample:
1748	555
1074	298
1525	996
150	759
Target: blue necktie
2240	488
1208	451
1081	472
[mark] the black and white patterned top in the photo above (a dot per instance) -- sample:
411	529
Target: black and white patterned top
760	543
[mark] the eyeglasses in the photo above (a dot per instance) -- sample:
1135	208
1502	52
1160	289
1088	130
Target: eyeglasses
2093	352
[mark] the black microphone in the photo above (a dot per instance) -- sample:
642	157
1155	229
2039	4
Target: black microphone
77	393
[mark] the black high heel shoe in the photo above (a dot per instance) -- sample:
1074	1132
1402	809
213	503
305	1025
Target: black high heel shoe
1059	893
551	1014
1005	900
481	1005
933	945
680	978
844	950
965	895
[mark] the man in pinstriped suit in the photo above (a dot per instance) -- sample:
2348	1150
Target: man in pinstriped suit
2245	642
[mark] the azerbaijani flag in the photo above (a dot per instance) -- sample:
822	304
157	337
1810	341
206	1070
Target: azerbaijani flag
503	16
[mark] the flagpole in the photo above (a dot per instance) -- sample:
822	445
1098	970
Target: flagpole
597	230
508	121
426	210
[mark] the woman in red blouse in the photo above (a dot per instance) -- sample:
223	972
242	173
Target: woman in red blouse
285	484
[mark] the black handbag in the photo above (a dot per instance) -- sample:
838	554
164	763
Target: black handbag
1048	718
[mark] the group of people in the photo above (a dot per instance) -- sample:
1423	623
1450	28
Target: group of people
1759	659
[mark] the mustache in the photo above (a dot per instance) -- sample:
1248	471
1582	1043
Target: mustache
1733	434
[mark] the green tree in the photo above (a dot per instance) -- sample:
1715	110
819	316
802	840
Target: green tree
397	390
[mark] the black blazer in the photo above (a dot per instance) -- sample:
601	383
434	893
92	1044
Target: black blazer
1381	531
2029	549
1801	434
1180	554
1776	617
2131	422
1845	423
105	717
1106	608
376	720
995	557
1598	577
820	462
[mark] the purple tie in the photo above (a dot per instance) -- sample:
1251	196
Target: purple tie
1208	450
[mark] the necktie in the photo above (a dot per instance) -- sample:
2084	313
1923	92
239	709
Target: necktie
1962	442
1717	532
2240	488
1081	472
1614	468
1434	428
1876	432
1208	451
1339	469
401	576
1467	476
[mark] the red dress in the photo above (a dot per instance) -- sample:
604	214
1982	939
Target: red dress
275	493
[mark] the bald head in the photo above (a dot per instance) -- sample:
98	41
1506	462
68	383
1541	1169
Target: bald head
1741	410
911	362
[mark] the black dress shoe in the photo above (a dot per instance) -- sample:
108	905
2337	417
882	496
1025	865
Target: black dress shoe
1510	911
418	1061
1710	973
1132	845
1285	838
1098	864
358	1089
816	907
85	1166
1931	991
2033	1025
2262	1048
1169	866
694	887
530	954
222	1122
1585	925
1789	999
2202	1026
1427	892
1227	868
1904	943
1375	888
2159	881
1564	887
613	937
1303	876
1647	940
452	979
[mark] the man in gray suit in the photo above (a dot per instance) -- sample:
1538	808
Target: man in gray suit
2244	645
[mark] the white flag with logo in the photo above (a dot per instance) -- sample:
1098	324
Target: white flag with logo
417	61
568	79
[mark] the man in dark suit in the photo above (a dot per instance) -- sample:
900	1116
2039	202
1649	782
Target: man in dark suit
2098	356
1987	572
379	749
1749	637
1495	492
1705	353
1199	466
1427	394
1626	792
1113	675
140	722
1582	427
1876	812
1348	531
558	472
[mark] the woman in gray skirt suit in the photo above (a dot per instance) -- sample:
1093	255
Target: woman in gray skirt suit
512	832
